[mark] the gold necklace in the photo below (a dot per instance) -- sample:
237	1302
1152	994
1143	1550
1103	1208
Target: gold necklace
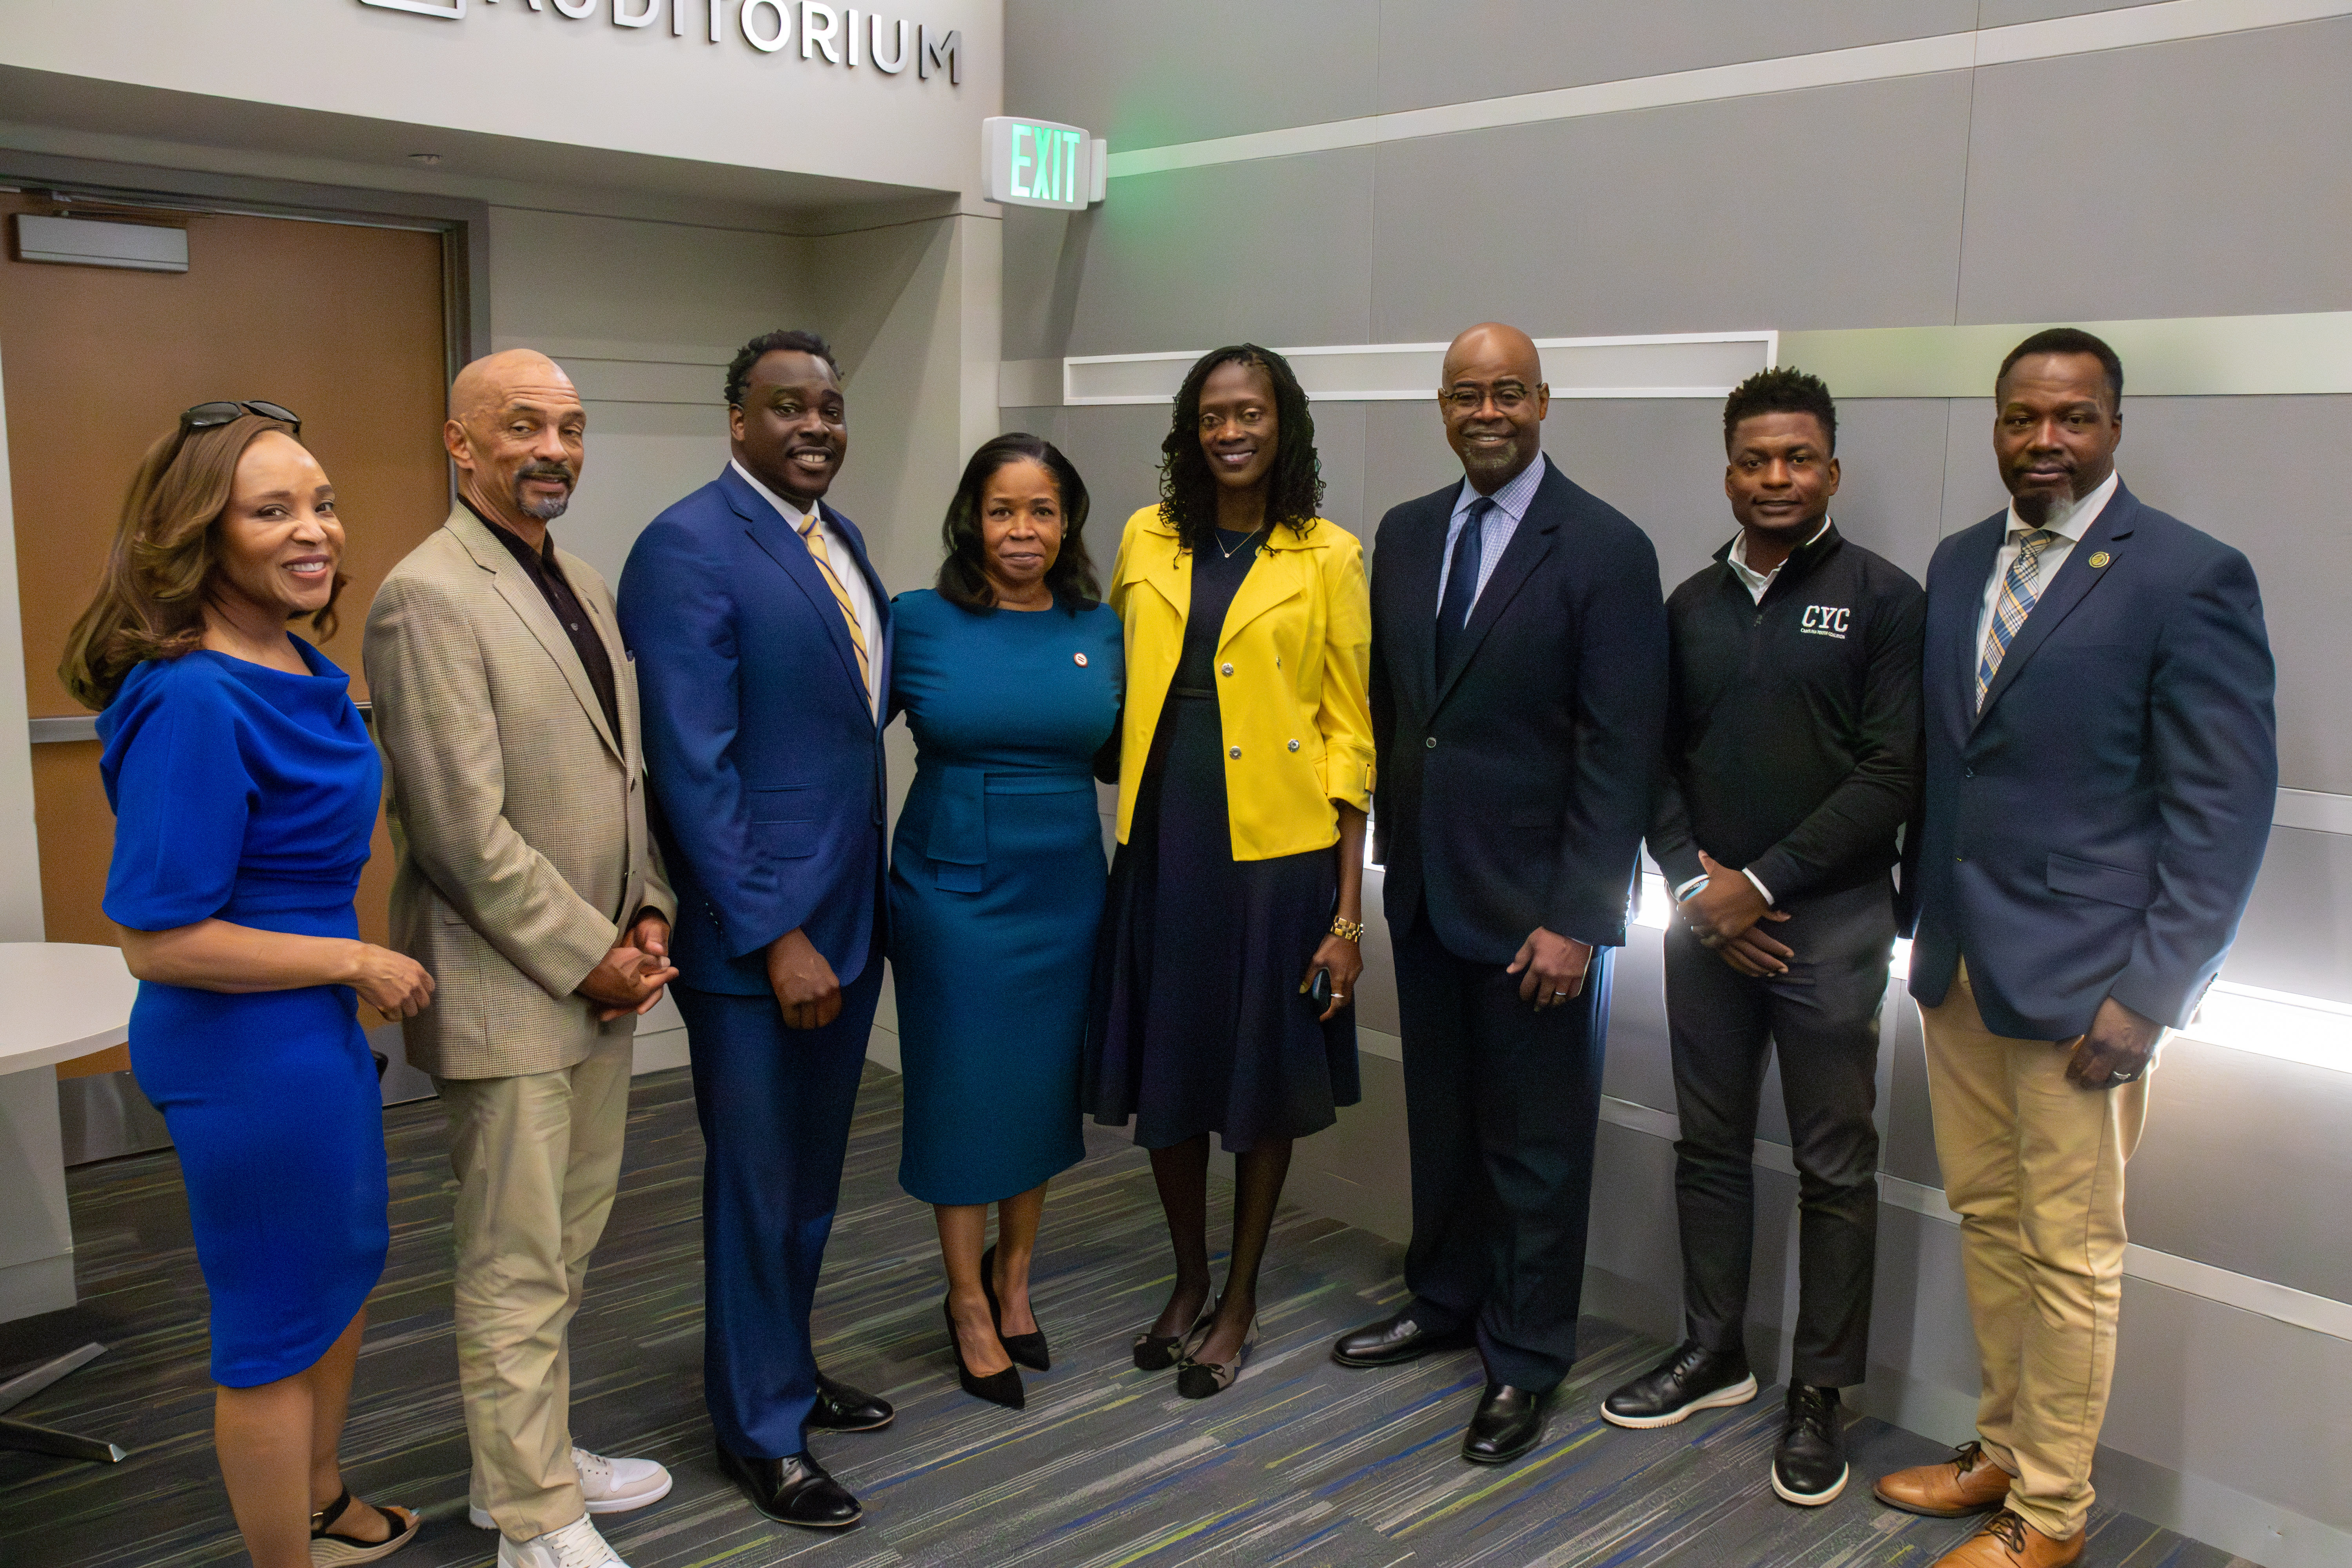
1245	539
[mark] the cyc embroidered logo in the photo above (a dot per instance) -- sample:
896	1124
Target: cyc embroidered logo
1826	621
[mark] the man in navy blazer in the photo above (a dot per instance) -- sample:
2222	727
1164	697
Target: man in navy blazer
762	642
2101	770
1518	694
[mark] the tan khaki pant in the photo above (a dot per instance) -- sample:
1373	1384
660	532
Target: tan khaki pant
2034	1166
537	1159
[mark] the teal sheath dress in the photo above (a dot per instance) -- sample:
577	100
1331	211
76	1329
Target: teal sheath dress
997	874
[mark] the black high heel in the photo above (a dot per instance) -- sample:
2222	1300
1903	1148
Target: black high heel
998	1387
1028	1349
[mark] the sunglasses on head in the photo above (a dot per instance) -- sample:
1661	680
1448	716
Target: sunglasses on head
206	415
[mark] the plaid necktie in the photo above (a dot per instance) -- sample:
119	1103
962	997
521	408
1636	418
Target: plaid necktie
840	597
2018	592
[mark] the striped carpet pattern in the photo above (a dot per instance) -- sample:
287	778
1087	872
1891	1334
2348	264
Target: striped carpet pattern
1301	1463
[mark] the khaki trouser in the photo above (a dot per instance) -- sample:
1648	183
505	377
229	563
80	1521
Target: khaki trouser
2034	1166
537	1159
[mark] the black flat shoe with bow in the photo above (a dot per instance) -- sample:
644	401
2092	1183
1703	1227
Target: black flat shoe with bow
1157	1352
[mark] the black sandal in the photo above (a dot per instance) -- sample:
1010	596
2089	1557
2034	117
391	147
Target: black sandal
330	1549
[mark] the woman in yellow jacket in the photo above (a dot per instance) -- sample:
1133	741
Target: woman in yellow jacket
1229	955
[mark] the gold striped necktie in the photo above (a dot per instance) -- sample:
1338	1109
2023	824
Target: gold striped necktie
2018	590
840	597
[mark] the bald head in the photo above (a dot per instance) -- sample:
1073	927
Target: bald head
1493	343
516	432
1493	397
487	383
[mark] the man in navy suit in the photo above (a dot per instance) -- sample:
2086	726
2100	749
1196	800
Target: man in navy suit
762	642
2101	770
1518	692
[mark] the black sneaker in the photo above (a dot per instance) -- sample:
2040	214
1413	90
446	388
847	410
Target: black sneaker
1808	1465
1692	1378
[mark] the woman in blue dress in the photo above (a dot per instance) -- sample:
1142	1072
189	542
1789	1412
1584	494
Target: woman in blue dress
1008	674
245	789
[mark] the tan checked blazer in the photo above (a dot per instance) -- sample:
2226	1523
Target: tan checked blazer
517	818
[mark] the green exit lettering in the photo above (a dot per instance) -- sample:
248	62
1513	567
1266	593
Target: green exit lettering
1051	156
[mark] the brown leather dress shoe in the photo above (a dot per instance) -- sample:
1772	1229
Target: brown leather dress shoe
1968	1482
2008	1541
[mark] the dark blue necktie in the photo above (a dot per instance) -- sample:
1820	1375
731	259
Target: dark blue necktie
1461	583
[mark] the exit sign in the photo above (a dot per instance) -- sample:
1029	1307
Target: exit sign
1039	163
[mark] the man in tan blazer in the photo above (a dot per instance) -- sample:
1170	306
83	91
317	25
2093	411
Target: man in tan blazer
528	884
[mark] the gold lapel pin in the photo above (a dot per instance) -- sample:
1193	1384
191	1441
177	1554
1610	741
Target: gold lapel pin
2101	559
1081	658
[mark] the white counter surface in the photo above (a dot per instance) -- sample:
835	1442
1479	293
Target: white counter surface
70	999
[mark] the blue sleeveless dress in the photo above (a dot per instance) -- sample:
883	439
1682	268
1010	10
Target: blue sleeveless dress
996	886
249	794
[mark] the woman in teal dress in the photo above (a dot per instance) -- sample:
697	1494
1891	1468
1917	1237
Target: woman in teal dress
1008	674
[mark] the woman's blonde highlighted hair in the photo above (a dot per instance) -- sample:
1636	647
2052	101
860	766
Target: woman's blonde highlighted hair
160	572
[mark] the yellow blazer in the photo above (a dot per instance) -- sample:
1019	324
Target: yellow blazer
1293	661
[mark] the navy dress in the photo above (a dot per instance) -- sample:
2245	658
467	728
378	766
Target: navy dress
996	886
249	794
1199	1025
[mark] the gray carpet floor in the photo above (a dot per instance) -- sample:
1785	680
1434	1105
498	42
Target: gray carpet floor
1302	1462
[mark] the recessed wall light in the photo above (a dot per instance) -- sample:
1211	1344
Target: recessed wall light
2312	1031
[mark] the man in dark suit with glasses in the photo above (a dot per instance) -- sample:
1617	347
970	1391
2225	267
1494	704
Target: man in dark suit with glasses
1518	686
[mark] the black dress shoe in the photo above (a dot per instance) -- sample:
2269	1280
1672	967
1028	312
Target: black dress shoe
1028	1349
998	1387
841	1408
1509	1422
1392	1340
792	1490
1694	1378
1808	1465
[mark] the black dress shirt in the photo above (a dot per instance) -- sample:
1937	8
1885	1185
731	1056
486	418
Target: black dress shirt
557	590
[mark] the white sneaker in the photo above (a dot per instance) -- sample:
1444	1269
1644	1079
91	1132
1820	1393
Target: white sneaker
616	1486
610	1486
576	1545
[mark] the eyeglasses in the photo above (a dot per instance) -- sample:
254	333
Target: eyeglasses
1467	399
206	415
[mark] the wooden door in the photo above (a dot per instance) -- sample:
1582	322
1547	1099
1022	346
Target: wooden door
340	323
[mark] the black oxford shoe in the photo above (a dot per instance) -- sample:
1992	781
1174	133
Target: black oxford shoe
1392	1340
1509	1422
793	1491
841	1408
1692	1379
1809	1463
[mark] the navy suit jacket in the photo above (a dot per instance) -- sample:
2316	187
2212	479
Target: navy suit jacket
1513	794
765	755
2094	831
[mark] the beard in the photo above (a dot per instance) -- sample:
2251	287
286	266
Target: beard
1479	461
553	507
2044	508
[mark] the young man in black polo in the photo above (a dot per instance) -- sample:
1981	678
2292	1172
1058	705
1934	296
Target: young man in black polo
1792	762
